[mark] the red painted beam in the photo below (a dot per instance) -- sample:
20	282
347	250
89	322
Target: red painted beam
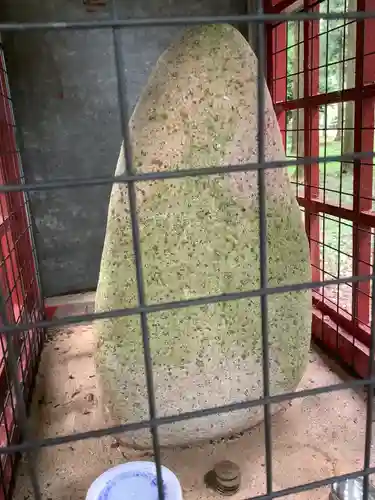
277	65
18	281
343	319
49	311
270	63
291	6
340	343
363	172
285	5
335	329
94	5
311	138
363	218
313	101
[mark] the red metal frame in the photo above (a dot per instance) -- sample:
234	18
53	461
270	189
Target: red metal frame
94	5
19	287
363	141
311	136
312	101
346	335
276	50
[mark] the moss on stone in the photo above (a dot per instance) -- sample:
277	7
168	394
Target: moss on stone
199	237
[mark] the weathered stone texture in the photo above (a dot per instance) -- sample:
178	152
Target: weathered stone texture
200	236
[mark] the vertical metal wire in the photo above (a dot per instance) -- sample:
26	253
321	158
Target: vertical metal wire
357	175
341	172
325	153
357	165
287	129
370	391
29	219
3	482
298	96
128	157
13	248
263	244
123	104
4	347
20	407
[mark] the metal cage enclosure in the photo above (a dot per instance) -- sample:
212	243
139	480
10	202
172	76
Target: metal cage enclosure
332	202
340	205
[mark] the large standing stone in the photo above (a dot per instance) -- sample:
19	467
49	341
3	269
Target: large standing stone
200	236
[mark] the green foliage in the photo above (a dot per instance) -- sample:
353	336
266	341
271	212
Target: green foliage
332	41
290	56
332	48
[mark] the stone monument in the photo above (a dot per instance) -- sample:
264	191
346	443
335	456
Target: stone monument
200	236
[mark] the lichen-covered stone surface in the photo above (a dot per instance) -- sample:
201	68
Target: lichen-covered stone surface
200	236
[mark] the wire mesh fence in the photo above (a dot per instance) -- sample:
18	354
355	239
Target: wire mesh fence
320	114
20	294
334	203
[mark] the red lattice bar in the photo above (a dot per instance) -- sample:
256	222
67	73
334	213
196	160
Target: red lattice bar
19	288
311	137
344	332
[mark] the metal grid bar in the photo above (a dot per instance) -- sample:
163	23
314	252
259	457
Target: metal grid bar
329	98
362	182
323	202
313	206
20	299
311	138
277	53
370	390
316	140
176	174
144	22
263	252
128	158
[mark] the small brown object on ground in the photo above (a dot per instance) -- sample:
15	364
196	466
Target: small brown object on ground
227	477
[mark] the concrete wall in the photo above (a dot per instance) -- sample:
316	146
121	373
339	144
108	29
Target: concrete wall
65	97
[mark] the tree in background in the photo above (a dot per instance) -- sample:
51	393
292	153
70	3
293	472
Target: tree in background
337	71
295	89
349	69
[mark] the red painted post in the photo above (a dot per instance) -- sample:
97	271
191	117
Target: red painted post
363	169
311	137
279	6
17	278
331	327
329	98
278	72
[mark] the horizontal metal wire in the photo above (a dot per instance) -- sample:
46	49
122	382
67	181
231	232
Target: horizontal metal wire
20	407
147	424
181	304
154	22
315	484
136	244
154	422
181	173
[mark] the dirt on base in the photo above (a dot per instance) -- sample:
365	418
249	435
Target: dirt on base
314	438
